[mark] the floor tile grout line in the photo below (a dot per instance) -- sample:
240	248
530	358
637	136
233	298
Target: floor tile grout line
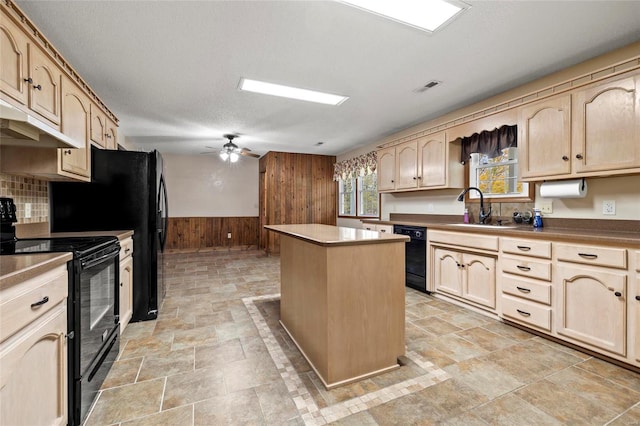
578	365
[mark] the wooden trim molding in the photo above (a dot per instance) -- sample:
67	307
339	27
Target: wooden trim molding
195	233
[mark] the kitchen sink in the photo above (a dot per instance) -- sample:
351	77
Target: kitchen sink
483	226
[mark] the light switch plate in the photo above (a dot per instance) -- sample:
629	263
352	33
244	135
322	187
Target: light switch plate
609	207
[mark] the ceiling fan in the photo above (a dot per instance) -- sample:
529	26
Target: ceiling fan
231	152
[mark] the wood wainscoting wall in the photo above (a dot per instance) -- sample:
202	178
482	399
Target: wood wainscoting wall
197	233
295	188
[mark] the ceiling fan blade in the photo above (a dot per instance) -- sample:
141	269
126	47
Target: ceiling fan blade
246	153
211	147
208	153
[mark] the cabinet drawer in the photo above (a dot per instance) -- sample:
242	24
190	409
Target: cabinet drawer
385	229
638	261
526	247
19	304
539	269
478	241
126	248
592	255
527	289
527	313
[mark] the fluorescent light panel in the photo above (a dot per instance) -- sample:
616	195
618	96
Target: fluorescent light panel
290	92
422	14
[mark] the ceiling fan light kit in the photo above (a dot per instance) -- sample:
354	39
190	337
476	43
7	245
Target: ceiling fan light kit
231	152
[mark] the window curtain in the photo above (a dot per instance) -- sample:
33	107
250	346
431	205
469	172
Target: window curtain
353	167
489	142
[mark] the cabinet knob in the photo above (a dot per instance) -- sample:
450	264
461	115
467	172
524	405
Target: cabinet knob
618	294
414	178
392	181
67	152
638	298
28	80
565	158
38	87
121	285
579	156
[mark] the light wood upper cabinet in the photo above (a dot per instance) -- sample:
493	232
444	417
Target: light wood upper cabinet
44	87
386	169
432	160
607	126
29	79
545	138
75	124
407	165
98	126
111	137
13	60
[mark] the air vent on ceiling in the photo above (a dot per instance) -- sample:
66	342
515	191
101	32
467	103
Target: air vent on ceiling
429	85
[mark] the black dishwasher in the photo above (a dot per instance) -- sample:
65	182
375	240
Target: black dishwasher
415	256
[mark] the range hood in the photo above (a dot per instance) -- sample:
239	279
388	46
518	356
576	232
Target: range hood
21	129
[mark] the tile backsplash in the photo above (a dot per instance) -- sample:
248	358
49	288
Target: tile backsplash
25	190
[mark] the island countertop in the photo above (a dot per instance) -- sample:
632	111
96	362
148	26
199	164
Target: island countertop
328	235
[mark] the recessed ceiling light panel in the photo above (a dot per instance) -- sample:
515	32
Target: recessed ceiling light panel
290	92
426	15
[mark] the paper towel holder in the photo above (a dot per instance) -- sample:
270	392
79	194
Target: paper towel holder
576	188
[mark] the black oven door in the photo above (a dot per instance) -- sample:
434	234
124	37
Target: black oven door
96	340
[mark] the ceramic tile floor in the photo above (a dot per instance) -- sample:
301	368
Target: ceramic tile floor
216	356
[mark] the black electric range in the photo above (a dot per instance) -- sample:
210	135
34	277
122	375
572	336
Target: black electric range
79	246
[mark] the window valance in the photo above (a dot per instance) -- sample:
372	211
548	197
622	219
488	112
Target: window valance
357	166
489	142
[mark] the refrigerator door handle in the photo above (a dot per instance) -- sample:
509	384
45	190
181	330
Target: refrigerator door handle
163	212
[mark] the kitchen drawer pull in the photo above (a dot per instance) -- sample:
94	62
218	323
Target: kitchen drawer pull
523	268
523	289
40	302
127	250
524	248
526	314
383	230
588	255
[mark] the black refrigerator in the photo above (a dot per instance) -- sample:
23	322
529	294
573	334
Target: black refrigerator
127	191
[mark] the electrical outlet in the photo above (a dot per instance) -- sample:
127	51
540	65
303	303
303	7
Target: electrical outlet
27	210
546	207
229	235
609	207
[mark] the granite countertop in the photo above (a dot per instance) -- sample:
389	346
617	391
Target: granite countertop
328	235
585	231
20	267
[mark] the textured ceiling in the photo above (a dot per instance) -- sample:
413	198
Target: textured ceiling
170	69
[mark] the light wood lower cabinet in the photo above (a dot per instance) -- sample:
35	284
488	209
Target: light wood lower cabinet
635	303
467	275
385	229
592	307
126	282
33	360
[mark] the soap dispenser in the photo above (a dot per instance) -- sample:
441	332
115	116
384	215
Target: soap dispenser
466	216
537	218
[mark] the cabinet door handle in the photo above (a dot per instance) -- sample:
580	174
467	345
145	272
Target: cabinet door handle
38	87
28	80
618	294
523	268
523	313
579	156
523	289
524	248
565	158
67	152
127	250
40	302
588	256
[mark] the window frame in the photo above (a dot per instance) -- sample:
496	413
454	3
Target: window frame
357	192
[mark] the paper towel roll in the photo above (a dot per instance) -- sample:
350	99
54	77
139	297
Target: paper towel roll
564	189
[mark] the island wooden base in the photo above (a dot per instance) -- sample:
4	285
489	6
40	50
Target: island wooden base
344	306
329	386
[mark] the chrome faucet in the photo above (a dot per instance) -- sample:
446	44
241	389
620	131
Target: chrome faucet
483	215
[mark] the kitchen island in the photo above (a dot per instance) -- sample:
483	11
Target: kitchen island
342	299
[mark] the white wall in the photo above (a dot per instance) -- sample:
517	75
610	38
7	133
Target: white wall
205	186
624	190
